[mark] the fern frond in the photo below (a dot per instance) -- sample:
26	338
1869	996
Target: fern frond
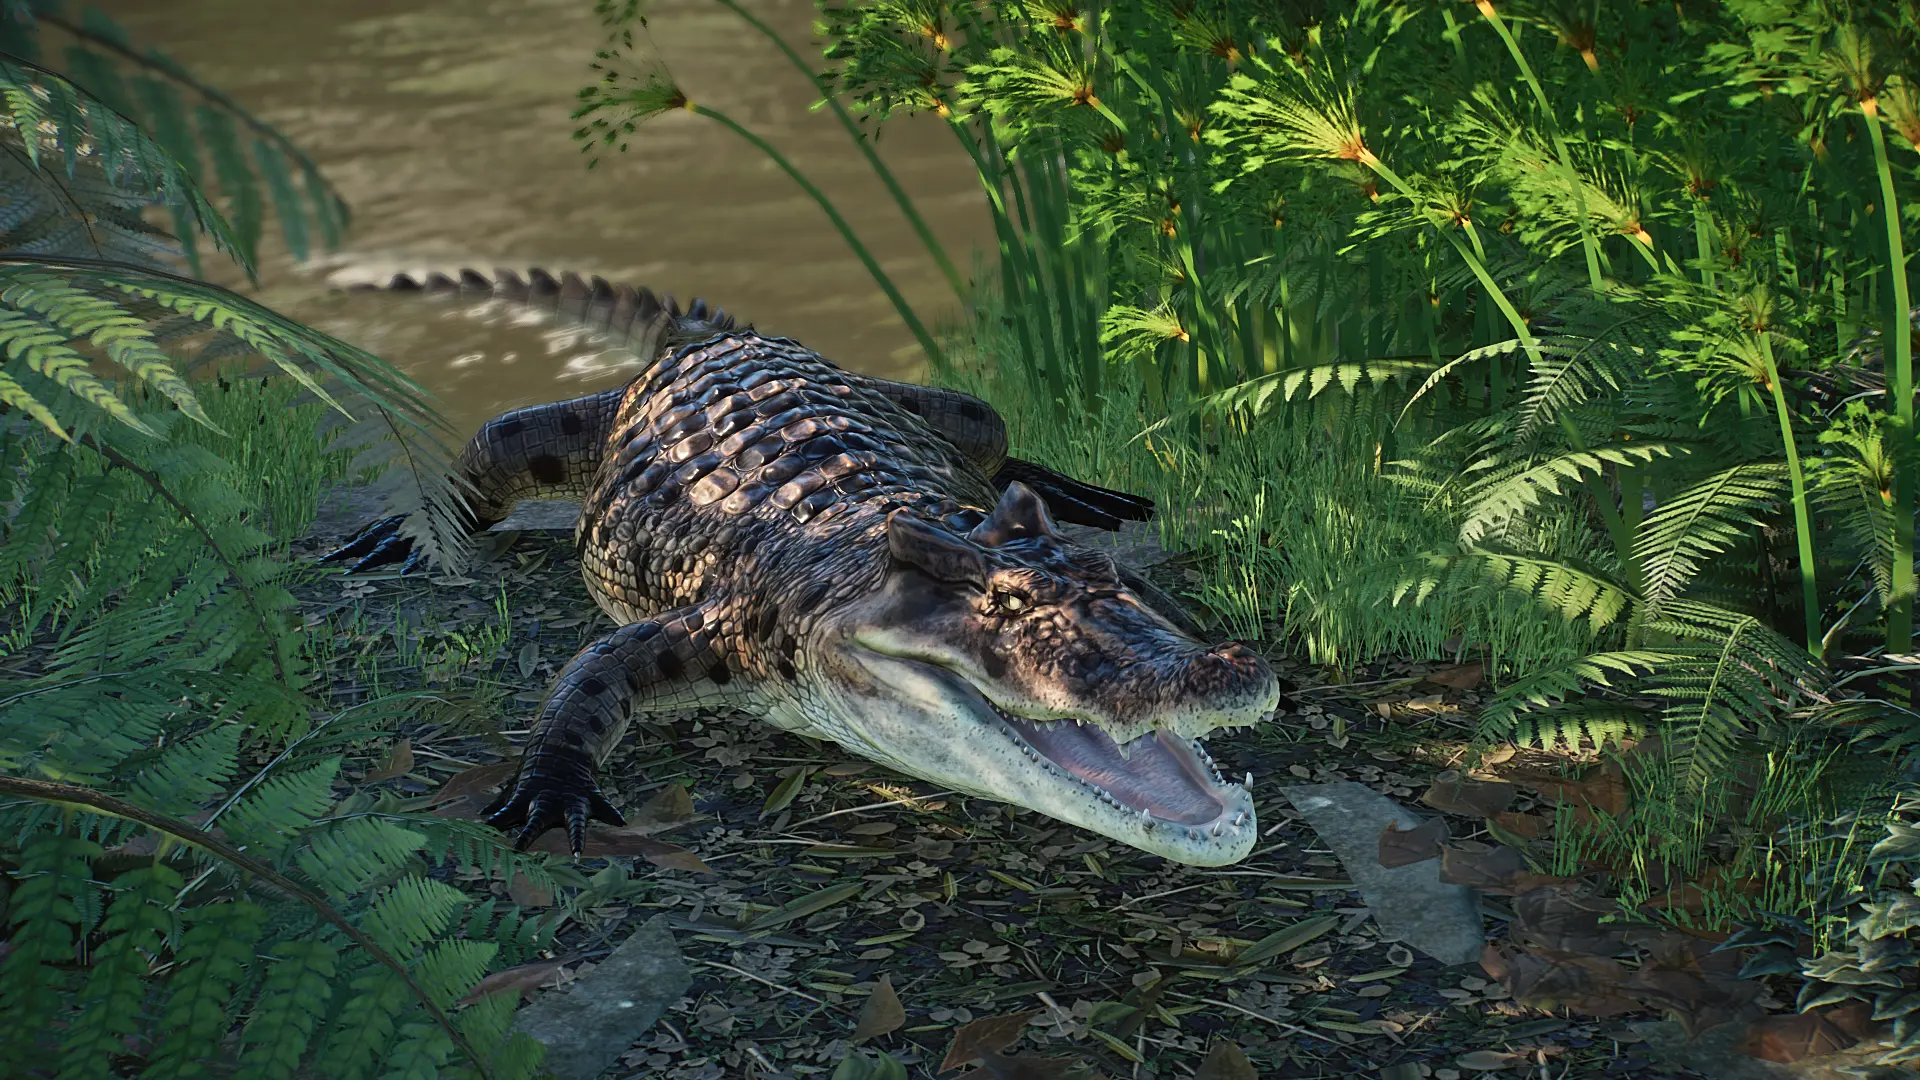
1501	719
1568	591
154	100
1701	521
350	854
137	926
213	957
293	997
53	879
1520	490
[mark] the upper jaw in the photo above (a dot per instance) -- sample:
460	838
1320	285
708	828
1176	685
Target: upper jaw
940	726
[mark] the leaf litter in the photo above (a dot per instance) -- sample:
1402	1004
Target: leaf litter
845	921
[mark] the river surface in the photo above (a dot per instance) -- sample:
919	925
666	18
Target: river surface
445	125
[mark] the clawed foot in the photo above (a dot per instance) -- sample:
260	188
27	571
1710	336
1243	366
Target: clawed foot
379	544
538	801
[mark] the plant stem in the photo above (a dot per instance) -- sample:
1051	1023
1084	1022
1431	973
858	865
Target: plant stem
866	147
1899	338
934	355
1802	520
44	791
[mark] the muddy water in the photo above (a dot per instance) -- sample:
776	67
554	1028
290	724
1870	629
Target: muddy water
444	124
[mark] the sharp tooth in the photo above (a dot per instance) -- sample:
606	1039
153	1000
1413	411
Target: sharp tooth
1239	819
1216	828
1249	784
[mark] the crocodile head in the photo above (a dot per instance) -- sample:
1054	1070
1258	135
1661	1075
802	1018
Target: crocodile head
1014	664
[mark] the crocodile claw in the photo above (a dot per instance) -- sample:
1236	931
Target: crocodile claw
379	544
541	802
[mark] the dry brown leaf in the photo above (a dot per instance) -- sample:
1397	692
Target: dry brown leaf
1556	917
880	1013
670	806
1699	987
1792	1037
624	842
1459	677
1493	961
1603	790
1499	870
399	761
1404	847
525	893
1452	793
846	768
1524	826
1225	1061
520	980
1547	979
987	1035
476	782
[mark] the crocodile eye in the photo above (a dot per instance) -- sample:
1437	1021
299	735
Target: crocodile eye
1008	601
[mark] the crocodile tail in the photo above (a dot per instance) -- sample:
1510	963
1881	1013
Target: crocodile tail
1074	502
637	319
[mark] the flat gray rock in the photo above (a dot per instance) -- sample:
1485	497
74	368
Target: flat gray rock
588	1024
1410	903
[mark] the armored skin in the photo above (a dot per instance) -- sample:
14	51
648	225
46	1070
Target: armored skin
852	559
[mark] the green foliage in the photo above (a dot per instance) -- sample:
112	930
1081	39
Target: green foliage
207	138
187	886
1597	314
1875	961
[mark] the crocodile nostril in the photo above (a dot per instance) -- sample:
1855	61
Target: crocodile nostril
1236	652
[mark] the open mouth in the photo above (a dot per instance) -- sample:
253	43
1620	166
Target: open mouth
1160	775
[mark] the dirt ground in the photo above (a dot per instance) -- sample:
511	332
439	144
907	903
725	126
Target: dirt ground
807	875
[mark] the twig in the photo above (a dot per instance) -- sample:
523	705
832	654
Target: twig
1282	1024
758	979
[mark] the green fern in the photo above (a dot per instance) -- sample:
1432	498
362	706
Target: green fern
185	115
1701	521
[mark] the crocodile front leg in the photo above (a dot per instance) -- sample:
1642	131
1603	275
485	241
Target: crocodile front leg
676	660
539	451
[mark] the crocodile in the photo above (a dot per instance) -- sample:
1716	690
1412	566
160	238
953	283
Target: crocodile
850	558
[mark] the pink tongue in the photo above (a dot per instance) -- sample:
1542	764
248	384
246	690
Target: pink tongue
1161	774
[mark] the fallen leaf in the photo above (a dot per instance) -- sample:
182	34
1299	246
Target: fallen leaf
528	895
1494	962
671	805
1699	987
987	1035
399	761
783	795
1404	847
1546	979
1791	1037
1225	1061
880	1013
1603	790
846	768
1459	677
1452	793
1496	870
1284	940
1489	1060
1021	1067
1523	826
1555	917
519	979
628	841
804	906
529	658
480	780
